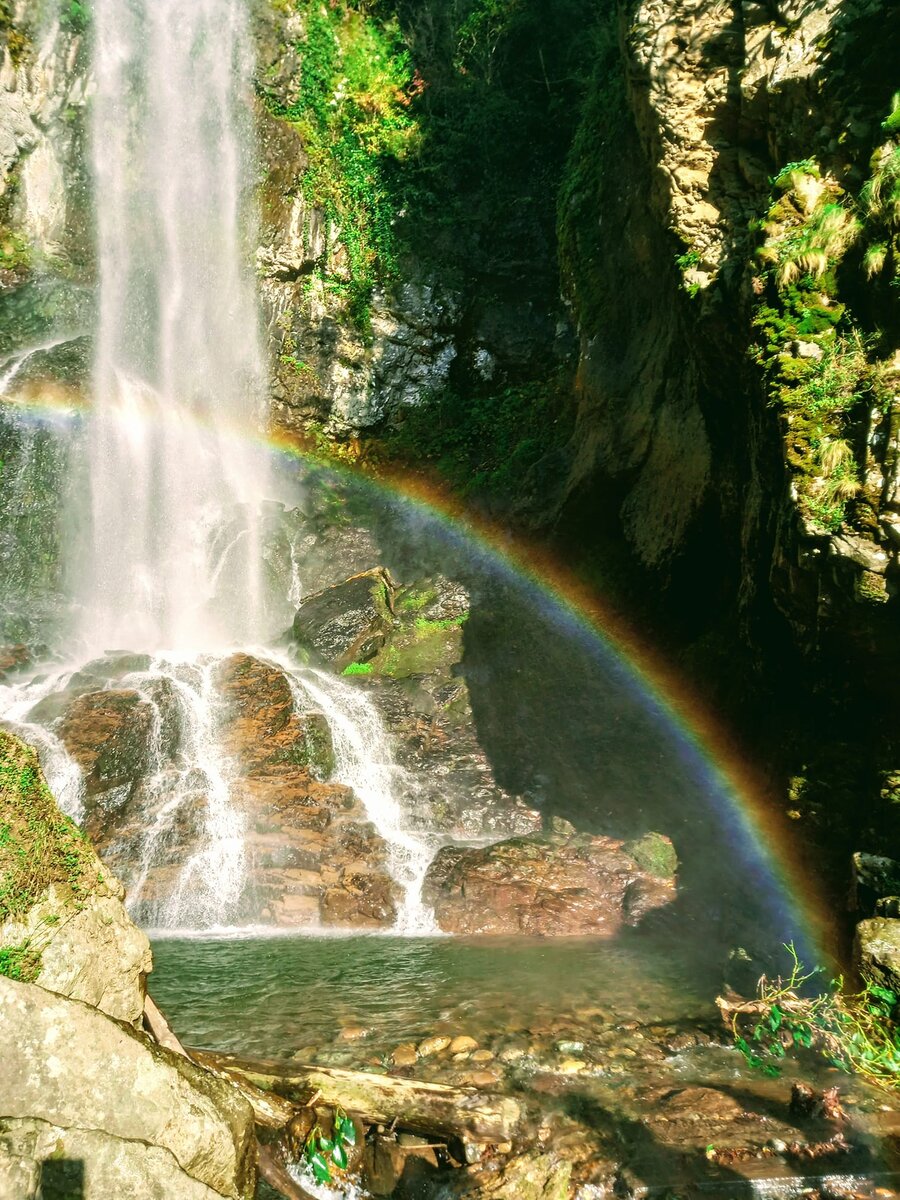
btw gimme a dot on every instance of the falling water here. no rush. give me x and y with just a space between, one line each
171 563
178 371
365 763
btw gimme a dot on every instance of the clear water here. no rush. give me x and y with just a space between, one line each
273 996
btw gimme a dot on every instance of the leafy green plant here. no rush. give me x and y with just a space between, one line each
323 1154
690 258
855 1032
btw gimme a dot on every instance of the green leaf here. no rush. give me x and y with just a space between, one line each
319 1167
348 1131
340 1156
775 1018
325 1144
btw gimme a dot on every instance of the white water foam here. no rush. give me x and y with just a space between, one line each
178 378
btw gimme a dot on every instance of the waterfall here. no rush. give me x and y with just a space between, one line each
178 374
169 565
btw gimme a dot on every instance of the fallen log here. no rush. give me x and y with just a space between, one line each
427 1108
268 1109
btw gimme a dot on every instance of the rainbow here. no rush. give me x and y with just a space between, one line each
758 834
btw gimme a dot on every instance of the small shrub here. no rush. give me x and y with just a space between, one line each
855 1032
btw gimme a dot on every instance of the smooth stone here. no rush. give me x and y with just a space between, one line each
572 1066
483 1079
483 1056
353 1033
462 1044
433 1045
405 1055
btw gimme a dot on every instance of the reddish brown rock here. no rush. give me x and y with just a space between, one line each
108 734
542 886
257 722
12 659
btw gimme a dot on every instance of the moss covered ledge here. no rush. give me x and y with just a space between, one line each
62 918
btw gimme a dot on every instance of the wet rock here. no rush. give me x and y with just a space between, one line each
353 1033
542 886
423 699
396 1168
876 951
12 659
534 1176
405 1055
433 1045
873 878
258 723
654 854
108 733
349 622
463 1044
143 1120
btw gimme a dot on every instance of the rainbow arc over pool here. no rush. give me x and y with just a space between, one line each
759 837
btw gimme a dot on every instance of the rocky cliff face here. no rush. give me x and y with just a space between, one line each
726 406
44 89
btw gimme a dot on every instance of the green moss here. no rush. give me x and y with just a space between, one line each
358 668
415 601
423 625
495 445
352 113
655 854
39 846
21 962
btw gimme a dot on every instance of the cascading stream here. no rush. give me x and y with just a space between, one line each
365 763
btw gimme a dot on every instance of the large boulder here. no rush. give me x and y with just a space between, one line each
545 886
417 683
347 623
874 879
78 1087
62 918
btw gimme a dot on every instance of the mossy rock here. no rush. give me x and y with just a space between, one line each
347 623
655 854
423 649
39 846
313 749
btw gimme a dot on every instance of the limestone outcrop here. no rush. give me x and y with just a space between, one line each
80 1088
88 1102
